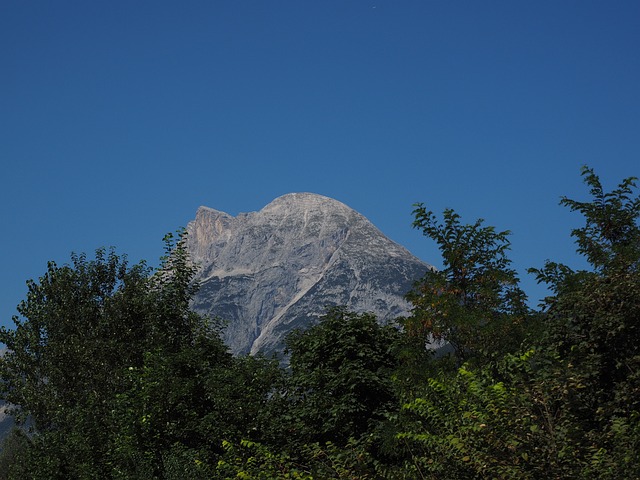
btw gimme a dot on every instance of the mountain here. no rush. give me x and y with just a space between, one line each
277 269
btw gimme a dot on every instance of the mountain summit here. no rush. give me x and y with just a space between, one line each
277 269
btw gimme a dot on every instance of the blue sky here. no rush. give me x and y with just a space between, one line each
118 119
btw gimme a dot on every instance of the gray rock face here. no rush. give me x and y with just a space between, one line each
275 270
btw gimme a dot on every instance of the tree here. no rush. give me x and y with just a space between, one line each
475 299
591 325
85 329
340 377
505 420
610 239
80 325
192 403
13 445
566 406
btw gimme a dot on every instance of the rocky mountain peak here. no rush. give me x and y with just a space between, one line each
306 203
269 271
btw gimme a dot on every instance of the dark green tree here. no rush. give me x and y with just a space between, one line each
591 325
89 334
474 303
610 238
81 325
14 444
567 406
191 402
340 381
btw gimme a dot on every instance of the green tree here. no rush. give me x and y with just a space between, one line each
85 331
505 420
568 406
340 377
191 402
79 327
610 238
591 325
13 445
474 303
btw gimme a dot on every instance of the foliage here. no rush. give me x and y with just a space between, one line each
168 404
197 400
107 361
13 446
120 379
592 321
474 425
592 327
475 298
340 377
610 239
568 406
251 460
80 327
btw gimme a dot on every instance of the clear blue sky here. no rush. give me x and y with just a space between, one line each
118 119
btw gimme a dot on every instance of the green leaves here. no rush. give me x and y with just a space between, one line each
340 372
123 381
476 297
610 237
469 252
107 360
592 321
563 402
74 326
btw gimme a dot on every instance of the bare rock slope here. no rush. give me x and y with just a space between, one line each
275 270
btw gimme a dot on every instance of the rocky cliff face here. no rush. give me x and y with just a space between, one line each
271 271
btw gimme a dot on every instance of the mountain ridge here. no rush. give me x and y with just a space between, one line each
276 269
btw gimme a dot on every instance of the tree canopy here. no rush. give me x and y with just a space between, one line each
110 375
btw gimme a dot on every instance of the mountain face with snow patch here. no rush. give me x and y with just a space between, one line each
266 273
